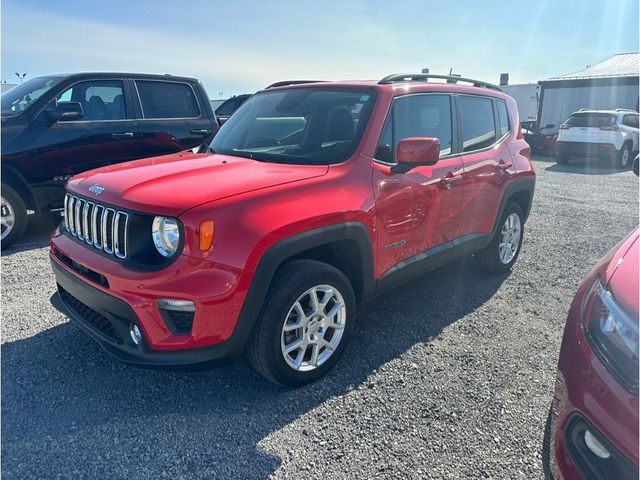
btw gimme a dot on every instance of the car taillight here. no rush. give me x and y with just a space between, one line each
612 334
565 126
611 128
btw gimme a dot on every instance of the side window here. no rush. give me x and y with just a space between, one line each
630 121
423 116
228 107
162 99
478 127
503 117
100 99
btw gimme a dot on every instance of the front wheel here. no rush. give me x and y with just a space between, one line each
500 255
14 216
309 314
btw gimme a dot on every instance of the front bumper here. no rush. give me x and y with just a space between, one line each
108 321
588 397
586 149
106 300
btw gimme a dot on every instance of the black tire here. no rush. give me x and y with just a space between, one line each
625 158
490 256
547 440
562 159
20 213
290 282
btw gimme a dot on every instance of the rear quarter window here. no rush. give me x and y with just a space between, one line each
161 99
503 117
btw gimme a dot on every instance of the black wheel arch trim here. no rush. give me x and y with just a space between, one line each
286 249
524 185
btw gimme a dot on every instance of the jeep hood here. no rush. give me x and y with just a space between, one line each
172 184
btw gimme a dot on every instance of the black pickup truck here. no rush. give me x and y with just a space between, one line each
56 126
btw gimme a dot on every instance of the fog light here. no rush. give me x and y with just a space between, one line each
136 334
595 446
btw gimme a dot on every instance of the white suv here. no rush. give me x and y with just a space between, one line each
599 133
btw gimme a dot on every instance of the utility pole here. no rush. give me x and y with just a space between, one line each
20 76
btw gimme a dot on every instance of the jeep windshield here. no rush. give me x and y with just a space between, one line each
298 125
19 98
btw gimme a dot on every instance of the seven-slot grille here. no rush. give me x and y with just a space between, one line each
97 225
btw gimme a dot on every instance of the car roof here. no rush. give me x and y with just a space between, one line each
396 88
609 112
153 76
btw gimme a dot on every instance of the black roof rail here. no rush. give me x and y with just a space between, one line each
424 77
284 83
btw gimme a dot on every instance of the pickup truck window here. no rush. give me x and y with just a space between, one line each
100 99
297 125
162 99
20 97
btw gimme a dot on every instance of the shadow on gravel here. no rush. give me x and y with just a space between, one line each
36 234
585 167
70 410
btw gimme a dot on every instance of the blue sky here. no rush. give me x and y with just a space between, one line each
241 46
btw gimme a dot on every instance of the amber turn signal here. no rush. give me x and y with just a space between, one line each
206 234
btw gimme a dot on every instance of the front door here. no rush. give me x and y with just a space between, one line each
106 134
418 210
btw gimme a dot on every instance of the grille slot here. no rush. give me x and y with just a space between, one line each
97 225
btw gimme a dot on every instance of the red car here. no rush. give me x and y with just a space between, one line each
593 423
313 197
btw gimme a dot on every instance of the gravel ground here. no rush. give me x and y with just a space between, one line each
449 376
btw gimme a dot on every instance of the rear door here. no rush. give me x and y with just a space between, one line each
171 116
105 134
484 129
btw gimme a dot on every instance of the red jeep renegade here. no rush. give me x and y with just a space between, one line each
313 197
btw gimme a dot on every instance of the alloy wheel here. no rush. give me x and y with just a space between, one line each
313 328
8 218
510 238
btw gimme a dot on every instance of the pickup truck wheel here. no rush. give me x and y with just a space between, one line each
624 157
307 320
500 255
13 216
562 159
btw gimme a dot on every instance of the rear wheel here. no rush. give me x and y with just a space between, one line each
624 157
500 255
14 216
309 314
562 159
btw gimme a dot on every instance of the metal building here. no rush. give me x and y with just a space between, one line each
612 83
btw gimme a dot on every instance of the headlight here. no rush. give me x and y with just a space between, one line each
166 235
612 334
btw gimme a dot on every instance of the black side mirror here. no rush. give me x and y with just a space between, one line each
549 125
65 112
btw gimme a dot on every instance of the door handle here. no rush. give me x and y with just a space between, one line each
200 132
502 165
449 180
121 135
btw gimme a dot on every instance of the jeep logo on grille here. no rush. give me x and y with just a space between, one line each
97 189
